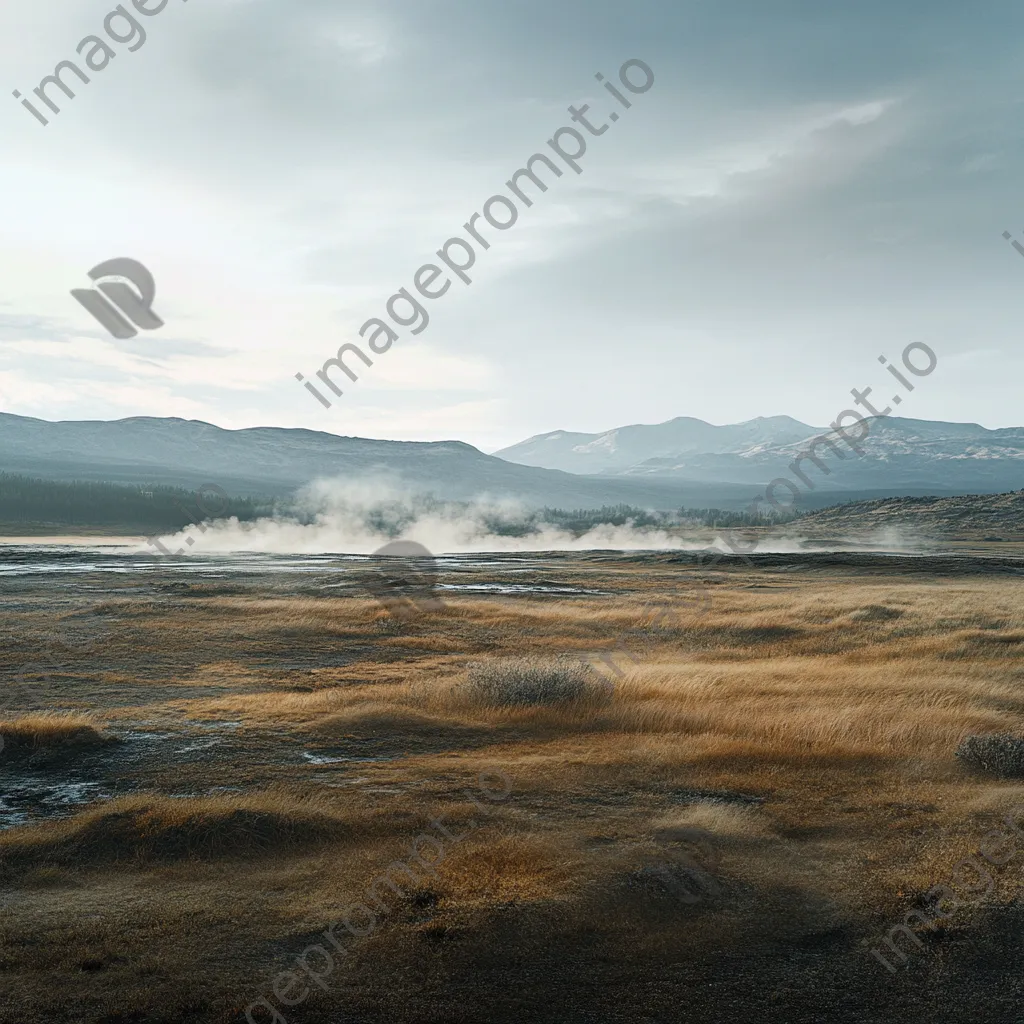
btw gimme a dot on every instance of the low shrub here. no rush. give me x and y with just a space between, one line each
876 613
522 682
1000 754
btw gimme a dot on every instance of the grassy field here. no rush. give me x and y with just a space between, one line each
308 809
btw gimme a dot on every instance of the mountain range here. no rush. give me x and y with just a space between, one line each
626 449
682 462
277 461
897 453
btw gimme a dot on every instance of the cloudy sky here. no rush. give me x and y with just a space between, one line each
805 187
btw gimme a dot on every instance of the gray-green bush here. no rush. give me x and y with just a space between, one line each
523 682
1000 754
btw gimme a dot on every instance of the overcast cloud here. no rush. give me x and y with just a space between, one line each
806 186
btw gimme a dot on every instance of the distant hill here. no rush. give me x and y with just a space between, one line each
899 455
274 461
981 516
624 448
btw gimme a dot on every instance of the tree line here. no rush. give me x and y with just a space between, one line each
28 501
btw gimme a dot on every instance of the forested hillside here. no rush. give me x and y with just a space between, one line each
26 503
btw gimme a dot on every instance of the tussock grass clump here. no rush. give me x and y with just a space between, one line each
721 821
1000 754
144 828
876 613
49 732
524 682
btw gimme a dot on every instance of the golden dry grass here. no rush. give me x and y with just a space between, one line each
805 727
49 731
156 828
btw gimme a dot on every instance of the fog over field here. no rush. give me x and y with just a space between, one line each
360 517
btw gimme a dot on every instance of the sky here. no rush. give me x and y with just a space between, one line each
804 188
